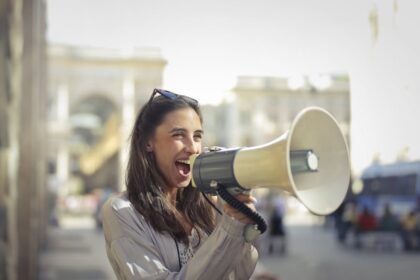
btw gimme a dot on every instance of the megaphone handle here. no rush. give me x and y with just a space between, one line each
240 206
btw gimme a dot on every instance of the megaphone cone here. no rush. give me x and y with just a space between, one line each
310 162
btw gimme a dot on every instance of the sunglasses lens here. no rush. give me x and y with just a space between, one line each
172 96
168 94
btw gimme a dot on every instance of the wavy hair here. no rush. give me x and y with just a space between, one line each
146 184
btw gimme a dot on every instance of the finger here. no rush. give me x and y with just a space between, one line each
240 217
246 198
227 207
245 220
233 212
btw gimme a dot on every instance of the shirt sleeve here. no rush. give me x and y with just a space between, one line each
133 254
225 254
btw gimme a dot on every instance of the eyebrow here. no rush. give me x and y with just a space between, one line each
178 129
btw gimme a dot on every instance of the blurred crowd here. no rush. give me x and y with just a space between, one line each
359 220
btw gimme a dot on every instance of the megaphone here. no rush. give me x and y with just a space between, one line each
310 162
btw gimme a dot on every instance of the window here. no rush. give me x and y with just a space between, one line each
391 185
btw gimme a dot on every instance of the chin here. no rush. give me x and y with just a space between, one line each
184 184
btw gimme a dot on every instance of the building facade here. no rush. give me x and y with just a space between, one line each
260 109
94 95
22 136
265 107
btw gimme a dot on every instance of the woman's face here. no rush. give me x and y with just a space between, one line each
174 141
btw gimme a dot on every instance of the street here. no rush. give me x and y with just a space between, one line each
77 251
314 255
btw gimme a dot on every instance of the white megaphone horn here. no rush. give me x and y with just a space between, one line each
310 161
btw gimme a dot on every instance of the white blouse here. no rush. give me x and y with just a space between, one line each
187 252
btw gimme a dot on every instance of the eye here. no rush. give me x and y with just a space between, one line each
178 135
198 137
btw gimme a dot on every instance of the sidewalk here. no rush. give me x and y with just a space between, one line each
76 250
314 254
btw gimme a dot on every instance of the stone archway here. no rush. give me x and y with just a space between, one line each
94 143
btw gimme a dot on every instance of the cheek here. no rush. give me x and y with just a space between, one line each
167 152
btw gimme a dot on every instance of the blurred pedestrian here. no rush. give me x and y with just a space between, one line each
102 196
408 230
366 222
276 227
388 221
348 221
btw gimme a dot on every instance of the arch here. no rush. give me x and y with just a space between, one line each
89 116
96 103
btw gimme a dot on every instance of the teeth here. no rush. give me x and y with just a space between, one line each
185 161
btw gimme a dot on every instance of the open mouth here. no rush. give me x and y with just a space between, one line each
183 166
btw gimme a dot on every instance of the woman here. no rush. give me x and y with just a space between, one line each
162 227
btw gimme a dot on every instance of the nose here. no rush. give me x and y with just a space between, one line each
191 146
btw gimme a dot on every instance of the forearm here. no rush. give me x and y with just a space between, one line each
222 253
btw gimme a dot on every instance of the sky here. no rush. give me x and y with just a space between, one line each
208 44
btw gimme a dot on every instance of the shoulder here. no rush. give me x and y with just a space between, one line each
117 204
119 213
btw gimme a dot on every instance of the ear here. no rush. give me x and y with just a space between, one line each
149 147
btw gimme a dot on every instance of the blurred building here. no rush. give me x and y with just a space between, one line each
261 109
218 124
93 97
22 136
265 107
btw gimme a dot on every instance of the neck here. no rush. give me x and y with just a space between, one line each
184 221
172 196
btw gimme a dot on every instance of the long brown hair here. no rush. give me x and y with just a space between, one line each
145 183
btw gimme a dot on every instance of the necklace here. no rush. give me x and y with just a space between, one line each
177 251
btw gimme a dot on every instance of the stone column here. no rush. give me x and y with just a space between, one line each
127 121
63 156
26 161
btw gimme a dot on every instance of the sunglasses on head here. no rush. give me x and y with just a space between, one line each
171 95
